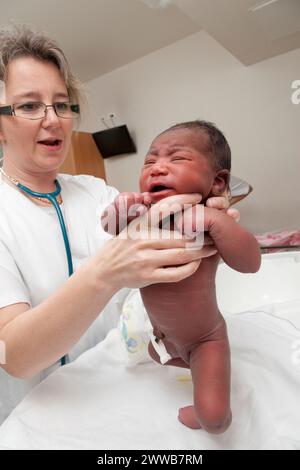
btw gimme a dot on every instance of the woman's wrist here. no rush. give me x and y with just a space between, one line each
97 279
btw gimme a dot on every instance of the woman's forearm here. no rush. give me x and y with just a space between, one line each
38 337
42 335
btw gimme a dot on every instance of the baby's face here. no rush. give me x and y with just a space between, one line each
175 164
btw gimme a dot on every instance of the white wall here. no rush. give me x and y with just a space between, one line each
198 78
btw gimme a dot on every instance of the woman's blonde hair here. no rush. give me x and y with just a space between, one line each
21 41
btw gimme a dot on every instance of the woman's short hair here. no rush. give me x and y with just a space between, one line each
21 41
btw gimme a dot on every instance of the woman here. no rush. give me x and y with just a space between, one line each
43 311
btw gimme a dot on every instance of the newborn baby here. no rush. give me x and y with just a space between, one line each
189 330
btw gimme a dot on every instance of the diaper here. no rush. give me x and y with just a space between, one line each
133 329
136 331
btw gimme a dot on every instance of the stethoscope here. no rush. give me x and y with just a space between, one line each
52 198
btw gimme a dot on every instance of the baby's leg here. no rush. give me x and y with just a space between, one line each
210 368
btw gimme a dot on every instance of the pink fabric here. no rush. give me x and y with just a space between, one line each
282 238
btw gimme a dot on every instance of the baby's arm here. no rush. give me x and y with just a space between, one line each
238 247
125 208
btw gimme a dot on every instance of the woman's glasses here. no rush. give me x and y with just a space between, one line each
37 110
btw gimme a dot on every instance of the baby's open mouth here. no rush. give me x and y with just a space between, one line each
158 188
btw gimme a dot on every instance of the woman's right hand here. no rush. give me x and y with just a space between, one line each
144 254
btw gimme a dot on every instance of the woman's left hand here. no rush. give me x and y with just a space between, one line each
189 218
222 203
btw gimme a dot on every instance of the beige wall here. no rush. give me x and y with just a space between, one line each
198 78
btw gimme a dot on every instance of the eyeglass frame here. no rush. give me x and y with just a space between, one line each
9 110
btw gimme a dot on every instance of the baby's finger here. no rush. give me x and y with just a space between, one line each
137 198
141 209
147 198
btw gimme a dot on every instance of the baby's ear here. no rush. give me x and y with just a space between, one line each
221 183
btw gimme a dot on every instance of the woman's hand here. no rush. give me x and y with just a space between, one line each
190 222
223 203
144 254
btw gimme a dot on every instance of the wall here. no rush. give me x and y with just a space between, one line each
198 78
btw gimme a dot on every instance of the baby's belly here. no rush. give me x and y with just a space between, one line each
183 312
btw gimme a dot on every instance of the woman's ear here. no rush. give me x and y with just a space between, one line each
221 183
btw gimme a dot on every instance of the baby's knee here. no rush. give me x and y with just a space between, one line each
215 422
218 426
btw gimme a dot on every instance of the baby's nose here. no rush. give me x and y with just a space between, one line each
159 168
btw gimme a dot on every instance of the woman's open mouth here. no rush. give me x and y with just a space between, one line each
53 145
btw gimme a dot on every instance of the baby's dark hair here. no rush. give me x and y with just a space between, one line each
217 146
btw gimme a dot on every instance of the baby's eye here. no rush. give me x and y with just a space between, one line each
178 158
149 162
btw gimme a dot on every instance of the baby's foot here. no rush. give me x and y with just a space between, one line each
187 416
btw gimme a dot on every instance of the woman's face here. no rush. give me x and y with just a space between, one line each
26 143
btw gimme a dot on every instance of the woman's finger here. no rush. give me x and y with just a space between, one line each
219 202
167 206
176 273
234 213
179 256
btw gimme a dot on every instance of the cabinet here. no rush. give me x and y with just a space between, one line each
83 157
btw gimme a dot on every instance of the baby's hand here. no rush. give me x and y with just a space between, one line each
131 205
126 207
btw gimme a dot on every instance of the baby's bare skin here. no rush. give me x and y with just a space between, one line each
185 315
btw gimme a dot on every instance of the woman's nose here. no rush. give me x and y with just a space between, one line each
51 118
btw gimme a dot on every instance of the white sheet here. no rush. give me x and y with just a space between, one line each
99 403
277 281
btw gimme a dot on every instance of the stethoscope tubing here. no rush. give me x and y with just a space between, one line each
52 198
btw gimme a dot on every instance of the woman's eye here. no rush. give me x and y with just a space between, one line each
29 106
62 106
